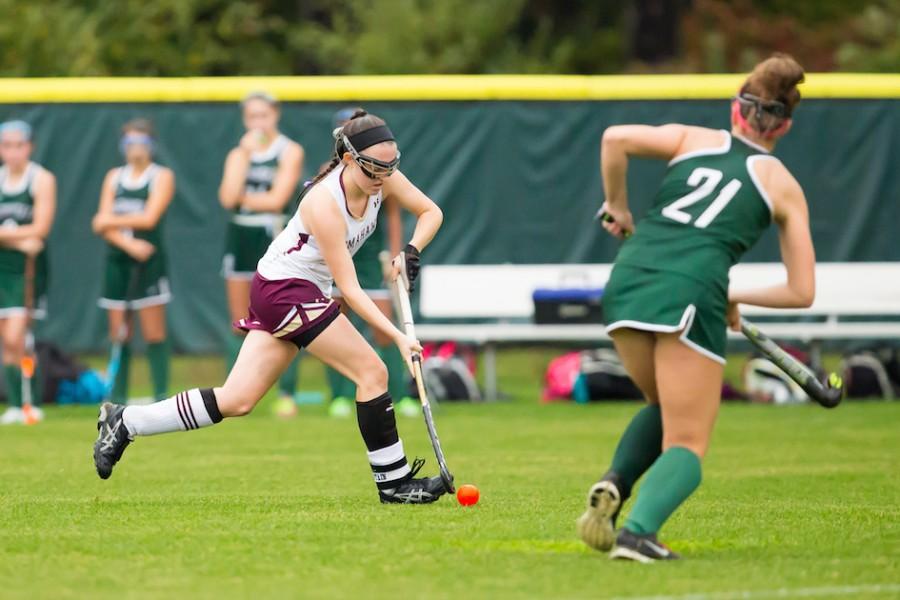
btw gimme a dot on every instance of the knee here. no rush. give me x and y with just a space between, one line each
12 351
373 375
233 404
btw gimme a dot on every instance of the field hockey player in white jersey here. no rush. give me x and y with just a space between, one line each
291 308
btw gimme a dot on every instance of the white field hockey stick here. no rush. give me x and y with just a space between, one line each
402 297
29 360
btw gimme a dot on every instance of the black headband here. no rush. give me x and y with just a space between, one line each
364 139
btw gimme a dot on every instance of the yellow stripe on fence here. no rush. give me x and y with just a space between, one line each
426 87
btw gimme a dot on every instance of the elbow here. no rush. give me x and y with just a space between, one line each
804 296
612 136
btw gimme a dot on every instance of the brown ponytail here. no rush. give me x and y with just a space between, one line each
776 78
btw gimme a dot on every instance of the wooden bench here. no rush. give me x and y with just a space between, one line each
853 301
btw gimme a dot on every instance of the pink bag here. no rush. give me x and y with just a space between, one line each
560 377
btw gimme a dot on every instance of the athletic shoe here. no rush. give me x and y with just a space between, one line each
641 548
597 525
341 407
424 490
112 438
409 407
11 416
32 415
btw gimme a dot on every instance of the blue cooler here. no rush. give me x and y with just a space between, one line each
567 305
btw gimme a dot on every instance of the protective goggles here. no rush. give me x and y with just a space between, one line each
371 167
133 139
768 114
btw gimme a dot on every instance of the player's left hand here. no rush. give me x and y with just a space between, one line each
30 246
733 316
406 265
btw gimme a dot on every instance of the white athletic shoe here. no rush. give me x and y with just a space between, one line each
11 416
597 526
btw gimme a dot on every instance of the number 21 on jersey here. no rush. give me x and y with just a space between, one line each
705 181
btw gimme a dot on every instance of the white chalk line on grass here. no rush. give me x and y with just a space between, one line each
805 592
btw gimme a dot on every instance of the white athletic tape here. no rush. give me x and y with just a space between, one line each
808 592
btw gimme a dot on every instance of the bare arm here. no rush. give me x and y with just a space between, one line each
394 221
326 224
797 252
429 216
156 205
42 213
283 187
234 178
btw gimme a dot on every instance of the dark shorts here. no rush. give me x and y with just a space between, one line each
293 310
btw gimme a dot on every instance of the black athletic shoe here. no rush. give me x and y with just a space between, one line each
424 490
112 438
597 525
641 548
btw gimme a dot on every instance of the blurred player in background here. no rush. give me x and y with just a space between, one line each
133 201
668 303
259 180
27 208
291 308
372 278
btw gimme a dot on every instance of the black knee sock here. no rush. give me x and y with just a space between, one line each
379 431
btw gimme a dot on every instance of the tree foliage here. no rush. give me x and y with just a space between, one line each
254 37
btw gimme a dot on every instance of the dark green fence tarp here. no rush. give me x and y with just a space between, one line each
518 182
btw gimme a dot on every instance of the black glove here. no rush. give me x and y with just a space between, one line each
410 265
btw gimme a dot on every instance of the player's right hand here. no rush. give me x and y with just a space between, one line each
30 246
733 316
140 250
251 141
407 348
622 224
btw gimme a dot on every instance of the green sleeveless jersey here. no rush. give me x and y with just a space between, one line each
131 198
708 211
16 208
261 174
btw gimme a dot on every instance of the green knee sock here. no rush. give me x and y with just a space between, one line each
119 393
158 357
340 385
232 349
12 375
638 447
287 383
672 478
397 371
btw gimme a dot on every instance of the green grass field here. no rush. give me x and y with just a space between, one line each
796 499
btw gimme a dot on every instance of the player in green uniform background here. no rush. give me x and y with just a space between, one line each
370 272
133 201
668 302
259 180
27 208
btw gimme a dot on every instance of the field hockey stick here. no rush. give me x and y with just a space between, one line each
115 353
409 327
29 361
828 393
604 216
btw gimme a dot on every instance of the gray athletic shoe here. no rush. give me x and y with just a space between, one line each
597 525
410 490
112 438
641 548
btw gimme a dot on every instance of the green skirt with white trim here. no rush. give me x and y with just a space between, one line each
662 301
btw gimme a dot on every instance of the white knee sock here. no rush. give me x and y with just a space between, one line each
184 411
